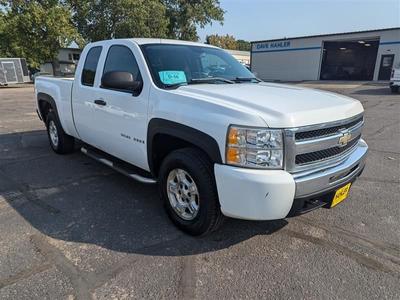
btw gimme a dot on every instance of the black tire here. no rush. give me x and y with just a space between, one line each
394 89
209 217
65 143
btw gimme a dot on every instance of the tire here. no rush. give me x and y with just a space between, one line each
60 142
197 168
394 89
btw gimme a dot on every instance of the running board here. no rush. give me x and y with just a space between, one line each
121 168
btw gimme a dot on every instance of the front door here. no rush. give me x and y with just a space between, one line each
124 113
386 66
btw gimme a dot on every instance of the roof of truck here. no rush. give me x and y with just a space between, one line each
144 41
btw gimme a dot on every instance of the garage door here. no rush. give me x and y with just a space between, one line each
349 60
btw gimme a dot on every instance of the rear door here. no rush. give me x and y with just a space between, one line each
124 114
10 73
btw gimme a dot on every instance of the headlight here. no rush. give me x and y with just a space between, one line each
254 147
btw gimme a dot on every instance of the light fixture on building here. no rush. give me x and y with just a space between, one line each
361 42
367 45
342 48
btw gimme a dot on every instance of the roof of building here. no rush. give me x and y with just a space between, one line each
238 52
329 34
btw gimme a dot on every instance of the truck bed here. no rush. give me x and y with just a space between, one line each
60 89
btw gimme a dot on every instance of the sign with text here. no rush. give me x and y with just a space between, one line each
271 45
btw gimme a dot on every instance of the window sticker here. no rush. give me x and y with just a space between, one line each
172 77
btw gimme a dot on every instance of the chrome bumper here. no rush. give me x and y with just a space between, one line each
316 182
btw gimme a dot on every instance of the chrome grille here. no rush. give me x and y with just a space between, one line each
314 146
326 131
312 157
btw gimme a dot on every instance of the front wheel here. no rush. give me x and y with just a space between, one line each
188 190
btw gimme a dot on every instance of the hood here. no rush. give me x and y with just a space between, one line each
280 106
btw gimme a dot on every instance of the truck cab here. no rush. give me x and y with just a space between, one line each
218 141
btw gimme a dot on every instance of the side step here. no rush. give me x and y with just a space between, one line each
117 165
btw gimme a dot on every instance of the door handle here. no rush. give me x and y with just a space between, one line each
100 102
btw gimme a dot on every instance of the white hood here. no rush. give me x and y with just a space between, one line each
280 106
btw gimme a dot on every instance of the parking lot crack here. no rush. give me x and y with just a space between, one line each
23 275
54 256
360 258
188 278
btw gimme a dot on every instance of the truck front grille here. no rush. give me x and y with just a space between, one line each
316 156
304 135
321 145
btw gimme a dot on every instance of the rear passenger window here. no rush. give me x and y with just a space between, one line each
121 59
89 69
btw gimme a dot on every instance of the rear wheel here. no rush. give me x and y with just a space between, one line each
60 142
188 190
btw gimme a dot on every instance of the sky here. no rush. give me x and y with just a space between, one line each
254 20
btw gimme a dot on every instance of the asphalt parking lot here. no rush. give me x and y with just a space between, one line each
70 228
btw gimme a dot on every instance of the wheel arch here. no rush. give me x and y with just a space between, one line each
45 102
164 136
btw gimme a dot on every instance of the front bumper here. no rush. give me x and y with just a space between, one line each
394 83
274 194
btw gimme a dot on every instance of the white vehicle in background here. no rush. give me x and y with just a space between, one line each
395 79
217 140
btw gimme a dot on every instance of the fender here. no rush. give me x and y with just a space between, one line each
193 136
50 100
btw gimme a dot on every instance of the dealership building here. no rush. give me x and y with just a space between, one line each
362 55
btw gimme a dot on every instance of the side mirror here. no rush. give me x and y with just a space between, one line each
120 81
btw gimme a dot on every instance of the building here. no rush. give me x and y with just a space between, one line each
242 56
65 63
362 55
13 70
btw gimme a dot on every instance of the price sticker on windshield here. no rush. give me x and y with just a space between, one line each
172 77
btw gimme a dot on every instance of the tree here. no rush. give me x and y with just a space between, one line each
228 42
186 15
222 41
35 30
102 19
243 45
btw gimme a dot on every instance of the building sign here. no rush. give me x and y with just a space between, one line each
272 45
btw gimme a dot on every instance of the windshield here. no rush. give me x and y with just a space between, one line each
176 65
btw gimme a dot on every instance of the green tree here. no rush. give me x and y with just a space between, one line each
228 42
186 15
102 19
222 41
35 30
243 45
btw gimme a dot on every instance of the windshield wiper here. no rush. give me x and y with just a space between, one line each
199 81
210 80
247 79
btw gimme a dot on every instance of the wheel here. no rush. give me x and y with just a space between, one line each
394 88
60 142
188 190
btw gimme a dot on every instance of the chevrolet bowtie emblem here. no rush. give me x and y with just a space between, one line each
345 138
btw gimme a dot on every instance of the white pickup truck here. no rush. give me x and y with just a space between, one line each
395 79
218 141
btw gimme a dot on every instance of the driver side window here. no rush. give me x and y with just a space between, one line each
120 58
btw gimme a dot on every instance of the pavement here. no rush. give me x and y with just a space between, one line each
73 229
